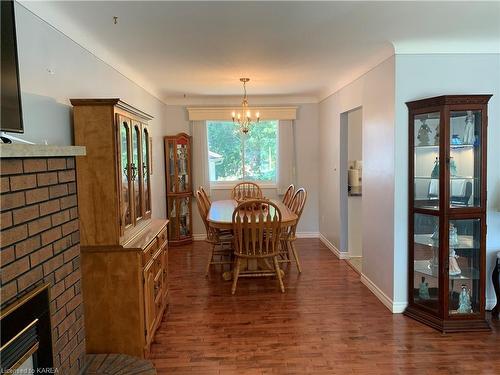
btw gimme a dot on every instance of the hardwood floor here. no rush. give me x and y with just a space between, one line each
327 322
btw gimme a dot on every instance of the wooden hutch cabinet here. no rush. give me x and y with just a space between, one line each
179 188
447 212
124 251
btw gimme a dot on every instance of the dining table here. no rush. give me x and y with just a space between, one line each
220 216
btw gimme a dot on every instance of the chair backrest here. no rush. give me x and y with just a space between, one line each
203 209
297 206
256 229
287 198
245 190
205 196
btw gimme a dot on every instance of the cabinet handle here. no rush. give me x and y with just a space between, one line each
134 171
125 171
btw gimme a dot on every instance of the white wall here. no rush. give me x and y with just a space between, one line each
355 134
307 150
421 76
374 92
47 112
354 204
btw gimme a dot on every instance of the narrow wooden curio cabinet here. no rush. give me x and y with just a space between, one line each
179 188
447 212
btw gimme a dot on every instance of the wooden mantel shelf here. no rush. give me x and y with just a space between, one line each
33 151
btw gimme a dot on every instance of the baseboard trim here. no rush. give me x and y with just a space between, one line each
399 307
339 254
199 237
307 234
394 307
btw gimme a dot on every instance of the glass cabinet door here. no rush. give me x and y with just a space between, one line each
179 213
172 216
184 217
183 164
146 179
171 167
136 171
426 261
426 160
464 266
125 172
465 158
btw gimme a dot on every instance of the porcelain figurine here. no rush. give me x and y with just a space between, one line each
423 290
435 170
434 262
464 303
469 129
453 236
453 167
455 140
453 263
436 136
423 134
435 234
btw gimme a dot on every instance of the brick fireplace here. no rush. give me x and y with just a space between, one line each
40 244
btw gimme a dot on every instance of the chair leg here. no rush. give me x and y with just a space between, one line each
278 274
235 275
210 260
294 252
284 251
288 256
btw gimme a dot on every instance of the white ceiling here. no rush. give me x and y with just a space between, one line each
286 48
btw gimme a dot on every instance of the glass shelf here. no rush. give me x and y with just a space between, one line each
451 178
453 147
464 241
425 267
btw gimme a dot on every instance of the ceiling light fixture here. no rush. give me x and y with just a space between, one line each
244 118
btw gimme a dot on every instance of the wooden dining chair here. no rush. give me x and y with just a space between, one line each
205 196
287 198
256 230
246 190
289 235
220 241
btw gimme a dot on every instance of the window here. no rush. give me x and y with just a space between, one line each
233 156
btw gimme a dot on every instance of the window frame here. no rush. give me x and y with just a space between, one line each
265 184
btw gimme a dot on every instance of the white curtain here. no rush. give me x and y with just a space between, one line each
287 156
200 156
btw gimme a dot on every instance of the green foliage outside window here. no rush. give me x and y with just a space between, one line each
234 156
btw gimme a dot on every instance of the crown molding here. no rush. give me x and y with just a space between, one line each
235 100
224 113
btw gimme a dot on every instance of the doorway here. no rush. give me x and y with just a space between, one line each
352 185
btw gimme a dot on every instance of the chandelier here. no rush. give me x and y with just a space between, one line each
244 118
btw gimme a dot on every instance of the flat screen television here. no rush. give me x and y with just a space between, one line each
11 119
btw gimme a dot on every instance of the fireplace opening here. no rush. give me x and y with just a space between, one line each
26 337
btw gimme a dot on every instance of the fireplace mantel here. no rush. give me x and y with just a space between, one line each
34 151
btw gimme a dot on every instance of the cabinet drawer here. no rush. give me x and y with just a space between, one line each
162 237
149 251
